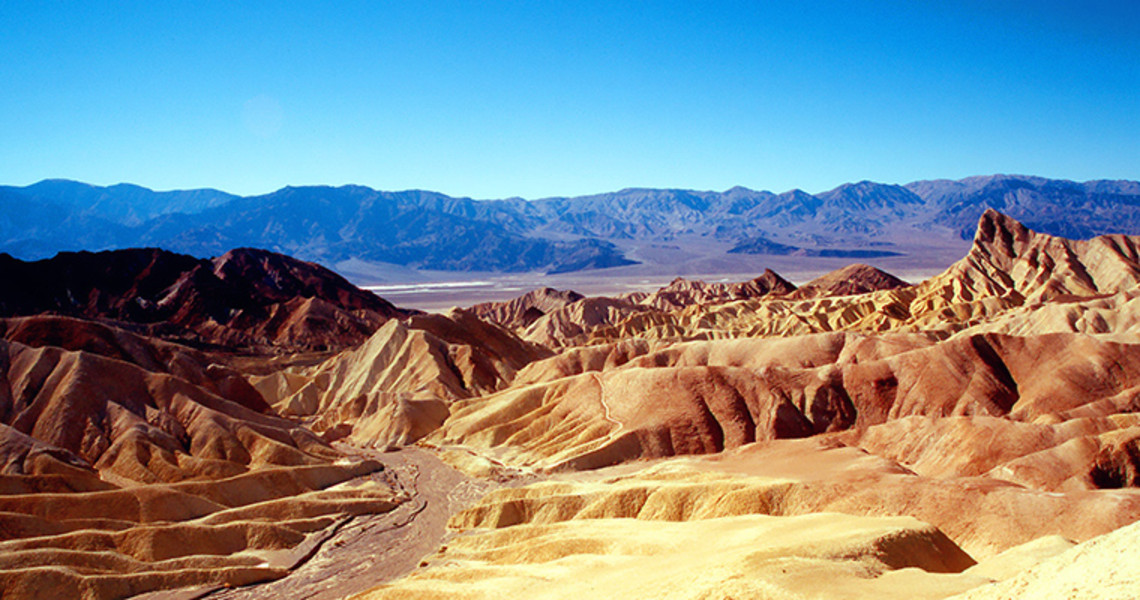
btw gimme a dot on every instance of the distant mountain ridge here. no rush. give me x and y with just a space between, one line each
429 230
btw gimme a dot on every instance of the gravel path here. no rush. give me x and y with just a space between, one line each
367 551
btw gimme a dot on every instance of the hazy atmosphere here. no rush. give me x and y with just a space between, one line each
500 99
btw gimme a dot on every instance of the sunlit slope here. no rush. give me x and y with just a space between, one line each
397 386
131 465
701 397
785 519
1008 267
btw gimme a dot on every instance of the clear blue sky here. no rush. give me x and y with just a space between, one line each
532 99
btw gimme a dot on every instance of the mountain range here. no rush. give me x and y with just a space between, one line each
432 231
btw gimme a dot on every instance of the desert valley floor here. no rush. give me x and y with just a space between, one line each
253 426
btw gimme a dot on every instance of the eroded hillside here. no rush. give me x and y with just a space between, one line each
976 434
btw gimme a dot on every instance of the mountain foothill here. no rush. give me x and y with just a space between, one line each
254 425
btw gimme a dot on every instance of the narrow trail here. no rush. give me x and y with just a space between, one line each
369 550
605 406
595 443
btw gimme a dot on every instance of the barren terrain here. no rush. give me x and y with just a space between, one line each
971 434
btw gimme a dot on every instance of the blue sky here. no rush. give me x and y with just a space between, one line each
534 99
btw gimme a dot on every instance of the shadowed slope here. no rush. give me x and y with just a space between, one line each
245 298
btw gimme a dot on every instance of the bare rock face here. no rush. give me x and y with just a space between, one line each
1014 265
1090 570
246 298
984 516
659 526
558 319
166 415
704 397
575 321
153 355
640 559
996 402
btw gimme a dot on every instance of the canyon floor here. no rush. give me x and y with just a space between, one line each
253 426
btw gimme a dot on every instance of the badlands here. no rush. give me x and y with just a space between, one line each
253 426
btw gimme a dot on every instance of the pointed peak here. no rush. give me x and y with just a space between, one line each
857 278
775 283
869 275
771 276
993 226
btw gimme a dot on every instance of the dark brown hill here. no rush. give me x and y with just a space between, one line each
682 292
244 299
852 279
